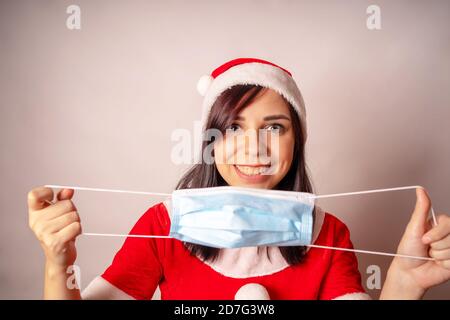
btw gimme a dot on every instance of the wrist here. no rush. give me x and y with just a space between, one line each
399 285
54 270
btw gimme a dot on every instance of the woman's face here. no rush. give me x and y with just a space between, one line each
258 147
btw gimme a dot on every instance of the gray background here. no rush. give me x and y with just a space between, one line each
96 107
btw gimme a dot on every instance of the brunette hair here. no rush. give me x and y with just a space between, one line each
204 175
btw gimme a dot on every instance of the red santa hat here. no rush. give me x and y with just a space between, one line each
250 71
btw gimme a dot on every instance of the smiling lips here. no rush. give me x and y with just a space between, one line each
252 173
253 170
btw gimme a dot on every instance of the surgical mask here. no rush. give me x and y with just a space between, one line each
232 217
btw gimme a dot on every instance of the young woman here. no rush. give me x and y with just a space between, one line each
240 96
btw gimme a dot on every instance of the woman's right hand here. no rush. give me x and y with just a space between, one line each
56 226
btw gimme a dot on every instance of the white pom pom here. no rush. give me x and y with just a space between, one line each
252 291
203 84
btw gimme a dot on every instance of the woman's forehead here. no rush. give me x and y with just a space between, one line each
268 103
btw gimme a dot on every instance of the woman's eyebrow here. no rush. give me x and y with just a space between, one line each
277 117
267 118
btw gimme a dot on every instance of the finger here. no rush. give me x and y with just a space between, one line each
440 231
419 217
440 254
61 222
441 244
56 210
444 264
36 197
70 232
65 194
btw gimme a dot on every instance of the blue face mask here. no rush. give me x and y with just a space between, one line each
233 217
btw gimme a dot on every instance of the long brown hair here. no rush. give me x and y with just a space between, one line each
203 175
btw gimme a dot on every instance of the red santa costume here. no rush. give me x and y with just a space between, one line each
143 264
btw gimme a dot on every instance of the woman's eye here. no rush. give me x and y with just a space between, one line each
274 127
234 127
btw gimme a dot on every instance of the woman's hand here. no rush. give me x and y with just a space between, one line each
55 226
410 278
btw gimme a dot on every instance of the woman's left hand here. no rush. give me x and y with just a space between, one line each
409 278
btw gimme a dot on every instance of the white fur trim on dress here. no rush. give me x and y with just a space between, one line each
354 296
100 289
257 74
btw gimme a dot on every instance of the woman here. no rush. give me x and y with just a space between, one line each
241 96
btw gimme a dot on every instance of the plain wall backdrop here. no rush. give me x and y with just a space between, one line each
96 107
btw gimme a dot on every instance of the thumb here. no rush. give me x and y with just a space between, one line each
419 217
65 194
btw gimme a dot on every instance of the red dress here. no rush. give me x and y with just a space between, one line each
143 264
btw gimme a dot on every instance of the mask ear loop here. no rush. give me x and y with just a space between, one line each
368 251
117 191
109 190
433 215
310 245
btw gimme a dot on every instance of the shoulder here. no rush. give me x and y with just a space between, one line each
155 219
137 267
328 229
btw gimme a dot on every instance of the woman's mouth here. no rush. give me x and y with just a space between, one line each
252 170
252 173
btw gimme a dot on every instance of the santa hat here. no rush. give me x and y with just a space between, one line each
250 71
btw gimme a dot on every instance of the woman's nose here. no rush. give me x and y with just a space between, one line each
254 145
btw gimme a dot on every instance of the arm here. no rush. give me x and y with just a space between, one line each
55 284
100 289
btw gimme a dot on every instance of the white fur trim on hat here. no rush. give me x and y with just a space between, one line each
204 83
257 74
